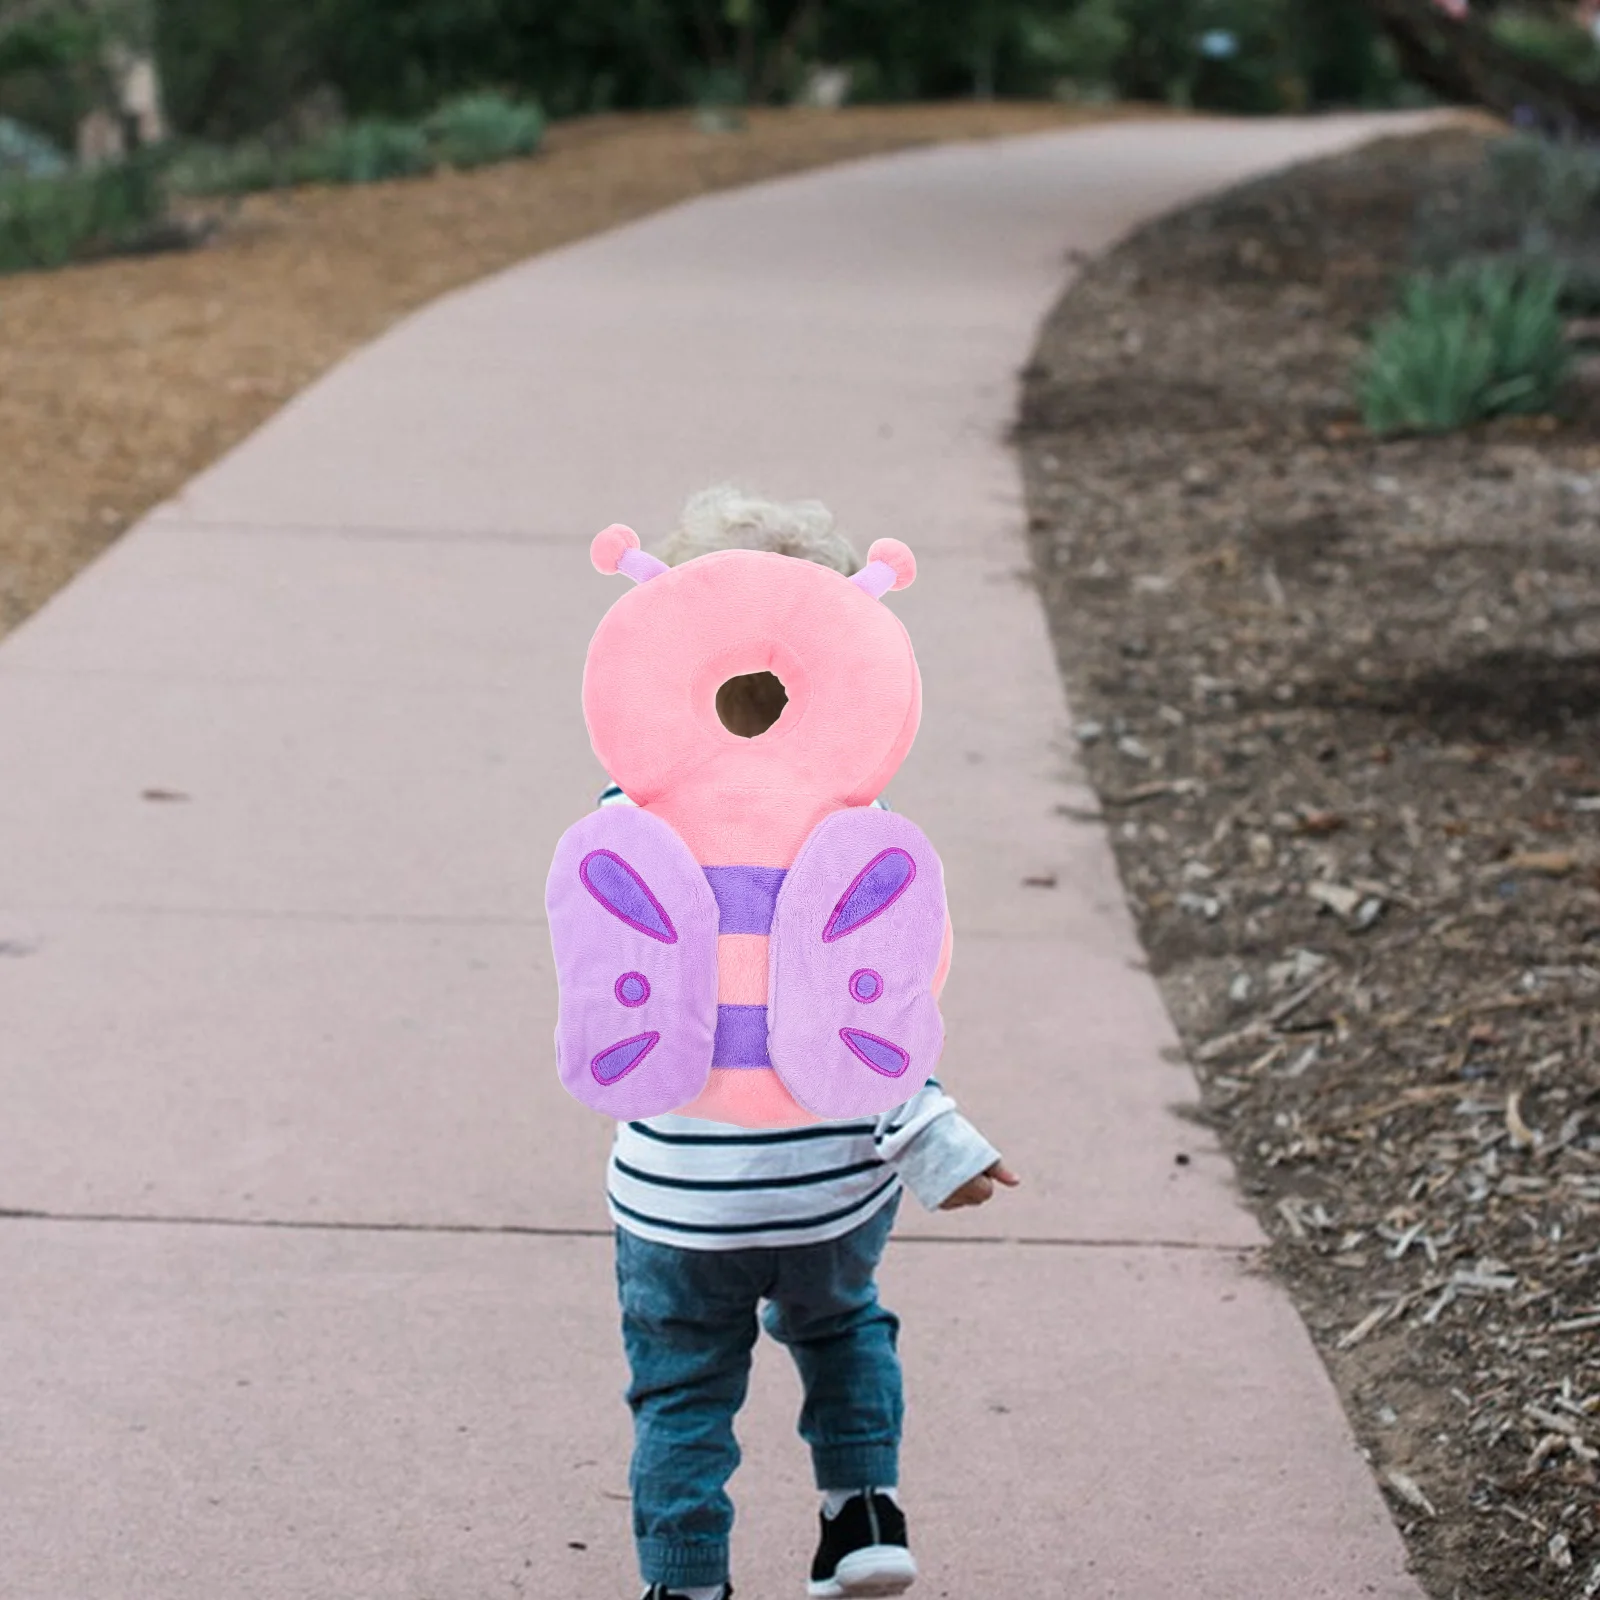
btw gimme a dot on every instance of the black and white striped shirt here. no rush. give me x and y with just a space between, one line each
713 1186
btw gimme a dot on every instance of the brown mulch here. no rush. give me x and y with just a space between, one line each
120 380
1341 702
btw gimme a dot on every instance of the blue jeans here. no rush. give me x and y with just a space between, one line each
689 1324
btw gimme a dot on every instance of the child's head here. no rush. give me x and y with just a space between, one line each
726 518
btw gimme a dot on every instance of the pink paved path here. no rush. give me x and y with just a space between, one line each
361 1340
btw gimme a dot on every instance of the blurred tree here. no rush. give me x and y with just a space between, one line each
1461 54
1342 53
83 70
235 67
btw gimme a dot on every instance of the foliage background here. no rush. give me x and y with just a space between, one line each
237 67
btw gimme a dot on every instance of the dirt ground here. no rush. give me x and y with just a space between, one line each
119 380
1341 702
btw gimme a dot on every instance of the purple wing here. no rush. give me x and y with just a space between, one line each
633 923
852 1025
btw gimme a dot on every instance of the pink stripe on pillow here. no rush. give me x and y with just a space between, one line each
742 969
749 1098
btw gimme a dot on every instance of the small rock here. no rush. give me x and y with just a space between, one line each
1338 898
1207 906
1300 968
1367 913
1409 1491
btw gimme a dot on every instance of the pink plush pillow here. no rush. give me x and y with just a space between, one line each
756 943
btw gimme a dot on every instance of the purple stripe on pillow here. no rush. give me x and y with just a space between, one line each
746 896
741 1037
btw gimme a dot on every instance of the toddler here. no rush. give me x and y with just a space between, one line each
712 1220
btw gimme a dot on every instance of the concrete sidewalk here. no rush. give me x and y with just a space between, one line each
316 1298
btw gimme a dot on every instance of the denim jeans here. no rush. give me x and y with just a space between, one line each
689 1324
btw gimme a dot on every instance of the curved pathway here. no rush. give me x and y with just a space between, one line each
308 1289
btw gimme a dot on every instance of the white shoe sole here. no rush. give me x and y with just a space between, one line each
880 1569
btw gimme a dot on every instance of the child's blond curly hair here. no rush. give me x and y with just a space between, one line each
725 517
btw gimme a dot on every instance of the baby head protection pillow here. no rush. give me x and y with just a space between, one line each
752 941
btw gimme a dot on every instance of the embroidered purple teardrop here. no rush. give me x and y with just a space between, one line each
623 1057
879 1054
877 886
623 893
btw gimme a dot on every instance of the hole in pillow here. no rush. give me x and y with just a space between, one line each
749 704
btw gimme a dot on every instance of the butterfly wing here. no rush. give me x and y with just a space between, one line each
633 924
853 1027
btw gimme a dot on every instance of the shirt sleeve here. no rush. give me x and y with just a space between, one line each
932 1147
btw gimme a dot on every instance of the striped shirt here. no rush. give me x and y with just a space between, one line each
713 1186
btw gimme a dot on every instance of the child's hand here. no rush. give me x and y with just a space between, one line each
976 1190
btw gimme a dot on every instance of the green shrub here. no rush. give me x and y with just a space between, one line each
47 222
233 68
1551 39
1257 74
1532 202
1343 56
1485 340
367 151
465 132
474 129
228 169
1549 185
24 152
1081 47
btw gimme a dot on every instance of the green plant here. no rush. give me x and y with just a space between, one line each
1551 39
227 169
474 129
236 68
362 152
1533 201
1342 55
1484 340
58 59
27 153
1081 47
47 222
465 132
1551 184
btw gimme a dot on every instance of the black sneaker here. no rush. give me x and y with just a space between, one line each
659 1591
863 1550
